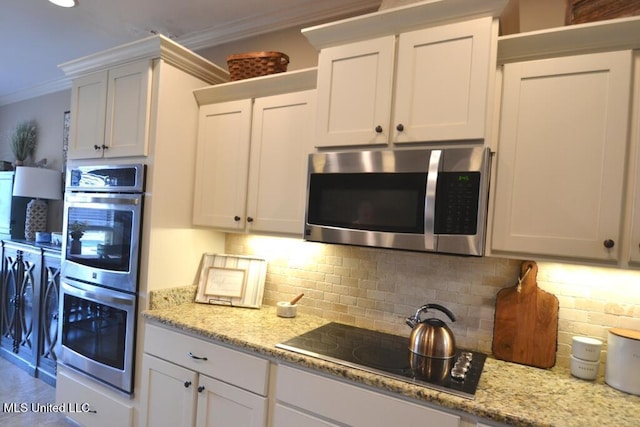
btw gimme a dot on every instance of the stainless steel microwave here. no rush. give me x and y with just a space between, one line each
432 200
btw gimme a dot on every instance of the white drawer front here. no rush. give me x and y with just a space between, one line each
234 367
352 405
89 406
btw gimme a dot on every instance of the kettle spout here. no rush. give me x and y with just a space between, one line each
412 322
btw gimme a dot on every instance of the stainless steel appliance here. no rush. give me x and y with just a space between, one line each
101 255
98 332
432 200
389 355
104 204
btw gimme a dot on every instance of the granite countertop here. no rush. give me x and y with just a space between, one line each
508 393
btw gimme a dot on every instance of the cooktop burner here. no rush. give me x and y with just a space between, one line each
389 355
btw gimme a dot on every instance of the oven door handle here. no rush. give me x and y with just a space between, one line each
78 198
104 296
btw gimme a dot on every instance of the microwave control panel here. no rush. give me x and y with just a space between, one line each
457 203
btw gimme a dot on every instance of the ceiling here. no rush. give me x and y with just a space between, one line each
37 36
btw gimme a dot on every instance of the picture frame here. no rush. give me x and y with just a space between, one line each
233 280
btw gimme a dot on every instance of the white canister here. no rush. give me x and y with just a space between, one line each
623 360
586 348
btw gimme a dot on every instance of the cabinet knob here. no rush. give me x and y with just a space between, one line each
187 384
249 219
609 243
378 129
105 147
236 218
200 389
96 147
400 127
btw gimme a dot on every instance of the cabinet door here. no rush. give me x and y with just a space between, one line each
49 305
222 164
89 108
168 393
127 110
561 156
223 405
441 82
354 93
281 140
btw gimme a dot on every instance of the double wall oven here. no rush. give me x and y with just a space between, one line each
99 284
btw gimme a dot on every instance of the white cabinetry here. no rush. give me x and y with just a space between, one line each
186 379
91 405
306 399
441 85
111 112
252 154
634 186
563 173
119 97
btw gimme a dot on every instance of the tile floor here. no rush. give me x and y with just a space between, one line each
16 386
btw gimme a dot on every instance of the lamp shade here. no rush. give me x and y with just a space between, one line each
37 183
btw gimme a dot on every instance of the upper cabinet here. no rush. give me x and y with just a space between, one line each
440 87
569 122
115 94
111 112
253 142
413 74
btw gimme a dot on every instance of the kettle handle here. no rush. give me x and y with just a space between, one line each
438 307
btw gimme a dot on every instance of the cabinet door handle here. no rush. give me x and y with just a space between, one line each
193 356
249 219
96 147
400 127
105 147
236 218
609 243
187 384
378 129
200 389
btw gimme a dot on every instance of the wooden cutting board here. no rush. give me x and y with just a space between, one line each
526 322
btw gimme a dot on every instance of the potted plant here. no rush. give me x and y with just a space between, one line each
76 230
23 141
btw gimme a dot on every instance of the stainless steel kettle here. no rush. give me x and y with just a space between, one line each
432 337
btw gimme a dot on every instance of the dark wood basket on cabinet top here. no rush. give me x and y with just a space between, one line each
255 64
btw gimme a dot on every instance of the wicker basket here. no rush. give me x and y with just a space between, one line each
254 64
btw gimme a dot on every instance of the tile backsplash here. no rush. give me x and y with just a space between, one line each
378 288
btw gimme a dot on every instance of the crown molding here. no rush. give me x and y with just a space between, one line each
276 21
230 32
36 91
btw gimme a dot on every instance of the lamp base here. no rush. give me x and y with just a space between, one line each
36 218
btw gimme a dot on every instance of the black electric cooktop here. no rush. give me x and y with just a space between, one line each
389 355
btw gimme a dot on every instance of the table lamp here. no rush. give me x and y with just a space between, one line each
40 184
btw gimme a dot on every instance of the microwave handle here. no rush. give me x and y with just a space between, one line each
430 200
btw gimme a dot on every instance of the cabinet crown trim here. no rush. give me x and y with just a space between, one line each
405 18
614 34
153 47
257 87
